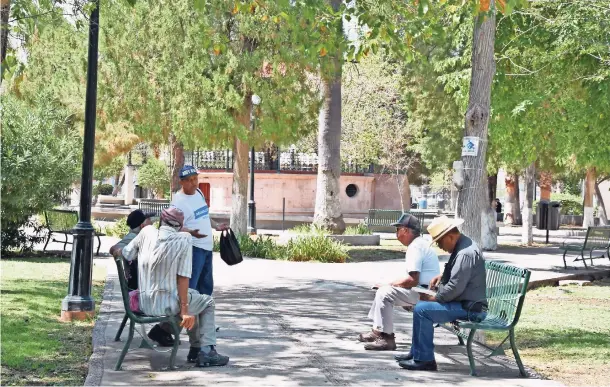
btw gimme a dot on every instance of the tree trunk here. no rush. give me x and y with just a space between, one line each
603 217
546 181
512 211
5 9
527 236
472 200
588 219
492 186
177 162
239 199
328 206
404 191
120 179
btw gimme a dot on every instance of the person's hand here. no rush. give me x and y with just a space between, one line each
375 287
196 234
426 297
434 282
222 227
188 321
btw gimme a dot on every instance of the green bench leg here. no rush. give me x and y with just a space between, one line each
469 350
172 358
513 345
120 331
126 347
460 340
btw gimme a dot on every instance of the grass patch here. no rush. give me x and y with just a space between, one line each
564 333
38 349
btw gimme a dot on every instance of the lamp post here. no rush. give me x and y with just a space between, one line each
256 100
79 304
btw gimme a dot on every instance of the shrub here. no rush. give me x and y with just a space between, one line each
103 189
570 204
360 229
308 229
261 247
119 229
154 175
40 161
315 248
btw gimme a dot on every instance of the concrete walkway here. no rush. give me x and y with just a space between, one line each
291 323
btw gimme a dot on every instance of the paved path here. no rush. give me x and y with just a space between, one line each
292 323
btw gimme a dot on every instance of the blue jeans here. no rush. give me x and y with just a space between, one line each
202 278
425 315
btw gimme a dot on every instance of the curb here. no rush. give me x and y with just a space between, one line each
96 361
587 275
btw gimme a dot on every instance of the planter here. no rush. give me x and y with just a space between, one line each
357 240
108 199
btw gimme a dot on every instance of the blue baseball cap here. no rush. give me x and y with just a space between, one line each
186 171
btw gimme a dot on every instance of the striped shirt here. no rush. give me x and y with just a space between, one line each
162 254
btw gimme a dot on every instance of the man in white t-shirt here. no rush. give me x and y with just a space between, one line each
192 203
422 266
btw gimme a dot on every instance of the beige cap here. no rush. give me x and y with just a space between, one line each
441 226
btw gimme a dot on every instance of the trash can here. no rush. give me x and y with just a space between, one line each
548 211
423 204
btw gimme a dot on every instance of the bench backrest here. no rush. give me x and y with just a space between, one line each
506 288
597 237
150 206
61 220
124 288
383 217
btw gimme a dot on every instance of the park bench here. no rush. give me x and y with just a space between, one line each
597 239
382 219
141 318
152 206
62 222
506 288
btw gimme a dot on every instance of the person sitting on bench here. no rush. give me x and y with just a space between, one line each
460 296
422 266
165 265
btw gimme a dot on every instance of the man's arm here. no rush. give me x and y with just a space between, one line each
460 276
121 249
411 281
218 226
188 320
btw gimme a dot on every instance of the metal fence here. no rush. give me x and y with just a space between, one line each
269 160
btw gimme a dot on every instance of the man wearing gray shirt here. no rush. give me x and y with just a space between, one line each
460 295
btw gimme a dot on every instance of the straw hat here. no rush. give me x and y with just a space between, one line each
442 225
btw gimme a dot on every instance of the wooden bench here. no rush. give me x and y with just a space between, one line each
62 222
152 206
597 239
140 318
506 288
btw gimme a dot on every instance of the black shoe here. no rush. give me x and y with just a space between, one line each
211 359
403 357
193 354
160 336
414 365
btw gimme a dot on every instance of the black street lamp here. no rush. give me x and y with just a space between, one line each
256 100
79 304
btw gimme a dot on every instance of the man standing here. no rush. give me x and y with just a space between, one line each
460 296
136 221
165 262
422 267
192 203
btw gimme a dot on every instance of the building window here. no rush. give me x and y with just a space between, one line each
351 190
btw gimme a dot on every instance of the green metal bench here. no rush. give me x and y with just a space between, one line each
598 238
140 318
506 288
152 206
62 222
380 220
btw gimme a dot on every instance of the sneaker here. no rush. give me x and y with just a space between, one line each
385 342
211 359
160 336
369 337
193 354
